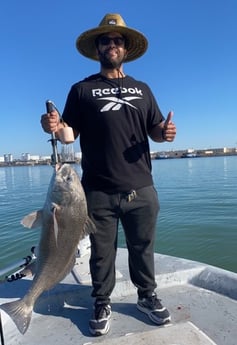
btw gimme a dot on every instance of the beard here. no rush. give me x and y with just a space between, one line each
108 62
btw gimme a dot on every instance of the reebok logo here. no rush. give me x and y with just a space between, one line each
114 103
116 91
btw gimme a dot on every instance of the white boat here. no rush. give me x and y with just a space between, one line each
202 300
162 156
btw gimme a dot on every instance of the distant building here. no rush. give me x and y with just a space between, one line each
8 158
67 153
78 155
45 158
227 150
34 158
25 157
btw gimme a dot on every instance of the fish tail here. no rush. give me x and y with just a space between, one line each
20 313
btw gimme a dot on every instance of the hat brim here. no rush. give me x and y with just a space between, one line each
137 42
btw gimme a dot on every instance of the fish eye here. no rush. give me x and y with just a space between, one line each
68 178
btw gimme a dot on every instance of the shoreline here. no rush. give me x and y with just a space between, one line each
154 155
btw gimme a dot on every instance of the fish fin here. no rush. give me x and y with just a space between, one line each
32 220
20 313
89 227
55 225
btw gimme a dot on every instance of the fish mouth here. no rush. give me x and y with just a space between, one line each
58 166
64 178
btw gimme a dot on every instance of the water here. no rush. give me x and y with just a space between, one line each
197 220
198 215
22 190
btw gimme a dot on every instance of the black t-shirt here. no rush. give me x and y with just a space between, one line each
113 117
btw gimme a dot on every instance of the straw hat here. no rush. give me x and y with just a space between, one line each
136 41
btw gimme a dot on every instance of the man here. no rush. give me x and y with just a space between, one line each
114 114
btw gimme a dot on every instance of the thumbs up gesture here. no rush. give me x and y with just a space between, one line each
169 128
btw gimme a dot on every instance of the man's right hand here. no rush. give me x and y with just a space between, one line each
50 122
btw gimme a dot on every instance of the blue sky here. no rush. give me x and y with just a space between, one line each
190 65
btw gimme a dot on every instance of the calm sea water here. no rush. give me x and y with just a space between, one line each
197 220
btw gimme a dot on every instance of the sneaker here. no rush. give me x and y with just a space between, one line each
100 322
154 309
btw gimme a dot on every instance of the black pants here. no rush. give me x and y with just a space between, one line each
138 217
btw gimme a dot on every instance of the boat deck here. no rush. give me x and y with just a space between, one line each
202 301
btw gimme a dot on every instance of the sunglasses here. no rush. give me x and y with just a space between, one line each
105 40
